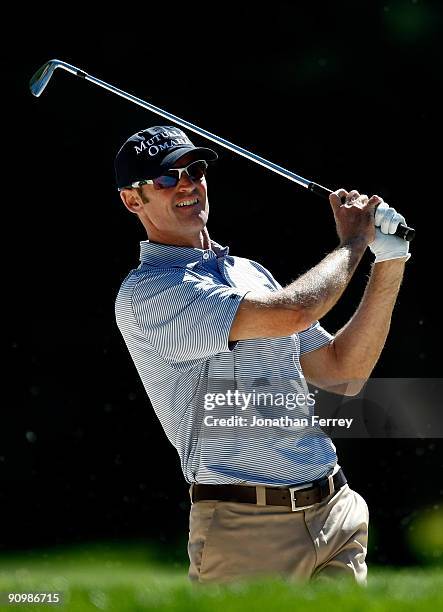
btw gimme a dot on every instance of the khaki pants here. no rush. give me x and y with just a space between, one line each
232 541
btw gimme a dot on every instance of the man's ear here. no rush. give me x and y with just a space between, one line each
131 200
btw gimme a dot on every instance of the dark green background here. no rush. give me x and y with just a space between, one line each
343 93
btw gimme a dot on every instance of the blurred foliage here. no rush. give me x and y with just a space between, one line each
411 21
425 535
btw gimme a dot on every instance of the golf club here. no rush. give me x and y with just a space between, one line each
43 75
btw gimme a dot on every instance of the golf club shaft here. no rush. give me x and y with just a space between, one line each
41 78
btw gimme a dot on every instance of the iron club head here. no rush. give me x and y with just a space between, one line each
42 77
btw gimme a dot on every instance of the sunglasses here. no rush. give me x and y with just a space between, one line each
195 171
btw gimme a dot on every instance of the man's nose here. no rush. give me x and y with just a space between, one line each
185 181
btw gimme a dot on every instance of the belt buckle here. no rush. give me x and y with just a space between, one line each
294 497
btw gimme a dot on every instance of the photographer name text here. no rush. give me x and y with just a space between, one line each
283 421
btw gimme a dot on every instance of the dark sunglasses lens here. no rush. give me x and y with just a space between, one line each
197 170
165 181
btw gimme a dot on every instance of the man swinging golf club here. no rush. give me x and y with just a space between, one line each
198 320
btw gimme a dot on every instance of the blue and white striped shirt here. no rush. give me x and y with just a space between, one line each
175 312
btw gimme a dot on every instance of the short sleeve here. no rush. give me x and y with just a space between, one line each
187 319
314 338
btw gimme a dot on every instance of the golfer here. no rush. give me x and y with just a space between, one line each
217 340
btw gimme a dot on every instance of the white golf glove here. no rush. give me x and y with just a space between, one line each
386 246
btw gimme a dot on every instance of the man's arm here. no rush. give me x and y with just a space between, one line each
346 363
311 296
296 306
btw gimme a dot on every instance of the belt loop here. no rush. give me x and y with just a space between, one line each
191 488
260 492
331 484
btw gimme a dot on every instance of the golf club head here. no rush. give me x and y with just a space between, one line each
42 77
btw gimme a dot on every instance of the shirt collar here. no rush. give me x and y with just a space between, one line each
166 255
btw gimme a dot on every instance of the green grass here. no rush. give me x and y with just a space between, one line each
127 579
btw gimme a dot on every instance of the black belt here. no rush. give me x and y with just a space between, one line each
294 497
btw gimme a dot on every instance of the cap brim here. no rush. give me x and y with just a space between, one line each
197 152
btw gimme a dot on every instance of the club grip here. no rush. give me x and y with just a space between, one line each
402 231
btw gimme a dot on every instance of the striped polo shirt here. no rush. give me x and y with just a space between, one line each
175 311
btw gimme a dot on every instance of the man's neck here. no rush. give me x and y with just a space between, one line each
206 241
201 241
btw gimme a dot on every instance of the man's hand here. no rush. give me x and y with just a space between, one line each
355 217
386 246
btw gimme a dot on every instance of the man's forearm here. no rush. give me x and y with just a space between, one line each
358 344
316 291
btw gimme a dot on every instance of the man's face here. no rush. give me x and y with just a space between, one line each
161 214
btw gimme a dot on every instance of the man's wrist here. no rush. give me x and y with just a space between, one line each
403 258
357 243
391 264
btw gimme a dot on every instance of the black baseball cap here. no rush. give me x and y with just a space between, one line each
150 152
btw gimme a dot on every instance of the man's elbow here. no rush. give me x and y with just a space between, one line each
351 377
354 387
348 388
